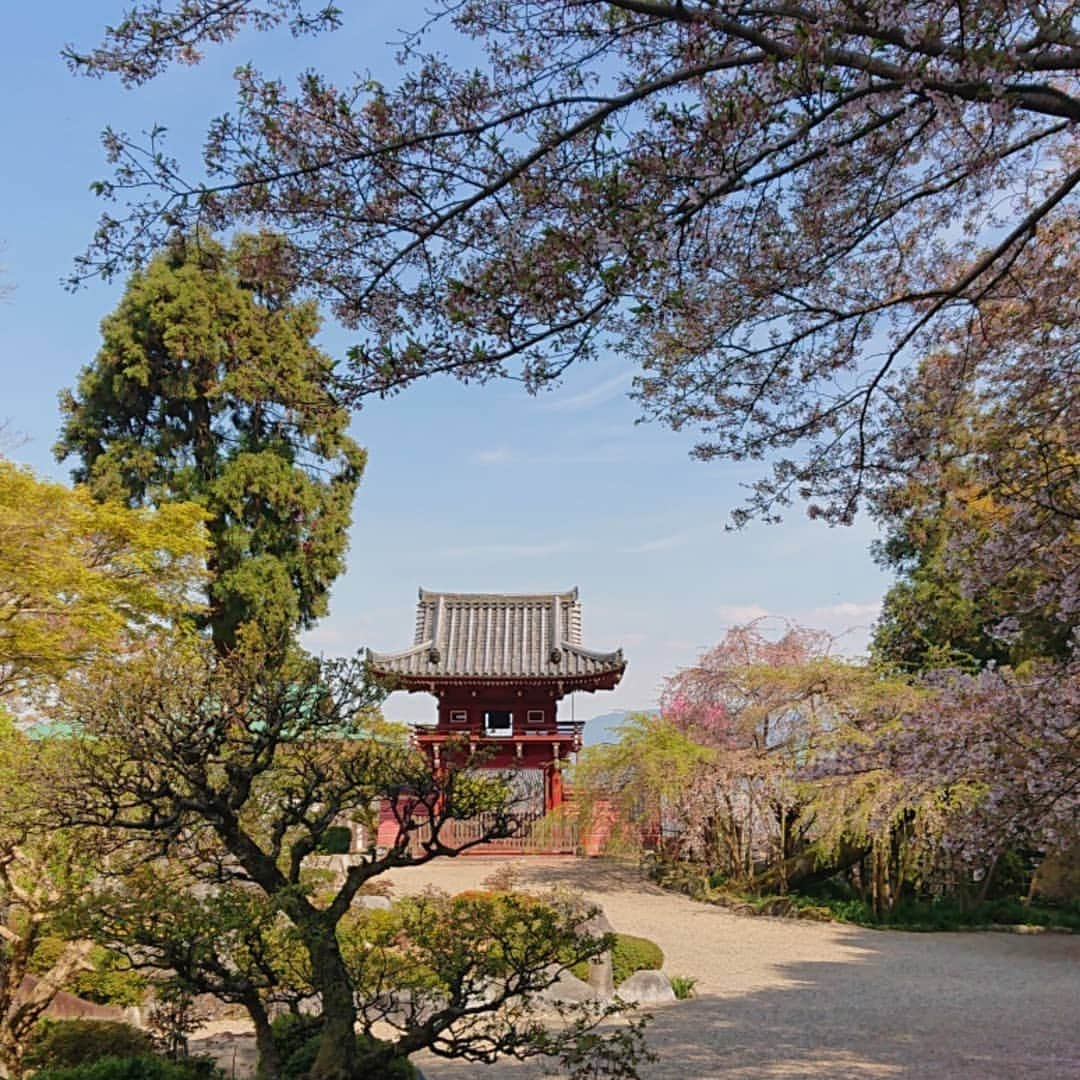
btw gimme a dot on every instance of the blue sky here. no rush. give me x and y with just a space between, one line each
467 488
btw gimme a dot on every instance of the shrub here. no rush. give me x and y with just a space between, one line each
62 1043
634 954
946 913
143 1067
682 986
684 877
337 840
503 879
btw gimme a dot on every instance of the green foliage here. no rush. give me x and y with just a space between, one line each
940 523
945 913
682 986
651 764
683 876
63 1043
208 389
292 1032
44 871
453 946
288 743
78 578
337 840
145 1067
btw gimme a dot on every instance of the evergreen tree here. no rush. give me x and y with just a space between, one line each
208 388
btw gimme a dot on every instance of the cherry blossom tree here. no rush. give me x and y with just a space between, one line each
778 711
986 763
767 211
728 774
776 765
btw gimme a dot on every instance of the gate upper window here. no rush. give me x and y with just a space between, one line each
499 722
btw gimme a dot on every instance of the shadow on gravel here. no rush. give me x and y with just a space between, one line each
951 1006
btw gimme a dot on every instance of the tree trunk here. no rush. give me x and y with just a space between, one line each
806 868
269 1067
10 1058
336 1059
984 885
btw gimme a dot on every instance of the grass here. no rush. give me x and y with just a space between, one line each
683 986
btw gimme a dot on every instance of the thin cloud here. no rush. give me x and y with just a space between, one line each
742 613
848 609
661 543
595 395
497 455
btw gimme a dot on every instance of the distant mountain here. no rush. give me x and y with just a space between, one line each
603 728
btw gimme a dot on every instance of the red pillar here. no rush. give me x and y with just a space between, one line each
556 787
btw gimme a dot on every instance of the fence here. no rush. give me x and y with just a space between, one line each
536 834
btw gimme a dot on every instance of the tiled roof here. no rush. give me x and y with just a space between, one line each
498 636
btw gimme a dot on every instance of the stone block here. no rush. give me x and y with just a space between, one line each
647 988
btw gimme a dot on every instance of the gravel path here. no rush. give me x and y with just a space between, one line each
779 999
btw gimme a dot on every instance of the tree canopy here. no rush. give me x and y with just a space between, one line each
79 579
982 525
768 211
208 388
775 766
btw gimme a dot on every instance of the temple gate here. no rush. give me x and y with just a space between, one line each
498 665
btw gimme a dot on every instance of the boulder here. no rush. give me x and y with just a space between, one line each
598 925
373 903
569 989
601 977
647 988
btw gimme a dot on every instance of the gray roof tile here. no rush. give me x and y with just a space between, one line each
498 636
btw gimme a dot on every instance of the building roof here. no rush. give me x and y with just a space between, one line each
498 636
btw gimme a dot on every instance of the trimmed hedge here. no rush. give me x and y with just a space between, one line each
634 954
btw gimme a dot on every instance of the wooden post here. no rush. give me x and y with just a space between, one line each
556 787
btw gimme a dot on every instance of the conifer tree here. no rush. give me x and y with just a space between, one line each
208 388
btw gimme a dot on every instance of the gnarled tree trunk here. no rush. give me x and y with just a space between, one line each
809 867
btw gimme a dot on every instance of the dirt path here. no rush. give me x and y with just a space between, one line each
788 999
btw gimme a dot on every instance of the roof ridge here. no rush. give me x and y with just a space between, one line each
428 595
